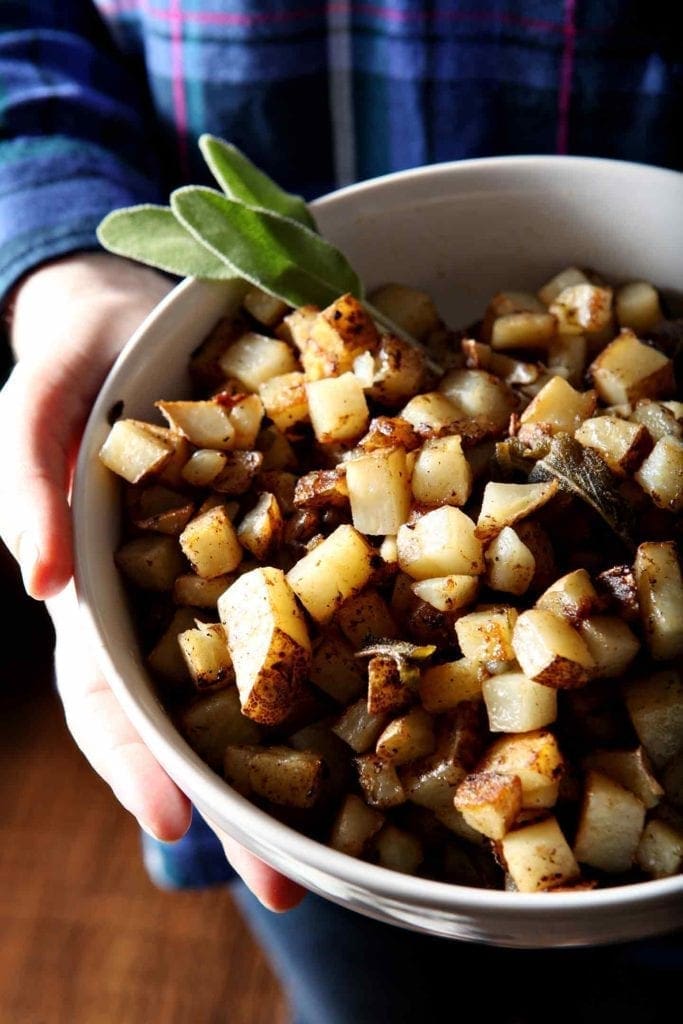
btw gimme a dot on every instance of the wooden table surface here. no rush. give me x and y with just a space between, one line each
84 936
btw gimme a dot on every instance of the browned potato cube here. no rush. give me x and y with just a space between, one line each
490 802
611 644
206 655
631 769
621 444
637 306
255 358
627 370
510 565
335 670
538 857
582 309
558 406
151 562
210 543
337 408
441 473
551 651
135 452
659 581
213 721
366 617
406 738
261 529
517 704
535 757
205 424
354 826
264 307
443 687
486 634
289 778
505 504
386 691
339 567
338 334
440 543
447 593
660 850
610 825
380 784
655 705
379 490
661 474
284 400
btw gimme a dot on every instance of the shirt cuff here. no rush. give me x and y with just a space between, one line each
54 191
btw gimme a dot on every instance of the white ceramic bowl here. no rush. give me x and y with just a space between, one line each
463 231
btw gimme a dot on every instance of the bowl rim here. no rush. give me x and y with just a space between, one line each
184 765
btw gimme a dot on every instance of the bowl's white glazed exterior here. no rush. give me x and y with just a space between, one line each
462 231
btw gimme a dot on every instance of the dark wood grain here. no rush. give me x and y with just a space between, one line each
84 936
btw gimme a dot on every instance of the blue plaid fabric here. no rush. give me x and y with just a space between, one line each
101 101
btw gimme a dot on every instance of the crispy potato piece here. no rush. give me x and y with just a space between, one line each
550 651
440 543
621 444
510 565
322 488
660 850
210 543
535 757
631 769
261 529
355 825
134 452
254 358
366 617
655 705
295 328
441 473
659 581
443 687
206 423
637 306
476 393
627 370
339 567
489 802
523 329
284 400
517 704
582 308
558 407
505 504
264 308
572 596
378 779
289 778
339 333
566 278
245 415
387 693
238 472
268 643
486 634
379 490
398 370
660 419
215 720
431 414
206 654
158 508
334 668
337 408
447 593
661 474
151 562
610 825
538 857
190 589
407 737
611 644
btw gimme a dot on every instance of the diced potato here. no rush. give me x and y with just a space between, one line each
268 642
135 452
322 488
398 850
246 414
358 727
206 424
660 850
538 857
566 278
410 308
550 651
213 721
386 691
165 659
255 358
339 567
611 644
441 474
339 333
440 543
566 357
621 444
210 543
206 655
397 372
510 565
661 474
447 593
535 757
366 617
407 737
204 369
637 306
659 418
354 826
190 589
337 408
203 467
296 327
490 802
631 769
655 705
610 825
505 504
523 330
573 596
284 400
151 562
237 475
158 508
558 406
476 393
378 779
582 308
486 634
507 302
431 413
379 490
261 529
289 778
627 370
264 307
335 670
515 703
443 687
659 581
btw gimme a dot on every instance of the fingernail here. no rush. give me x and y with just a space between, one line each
27 556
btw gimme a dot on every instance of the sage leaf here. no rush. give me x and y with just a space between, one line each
274 253
240 179
152 235
580 471
406 657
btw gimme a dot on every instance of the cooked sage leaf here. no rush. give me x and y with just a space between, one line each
240 179
406 656
152 235
280 256
580 471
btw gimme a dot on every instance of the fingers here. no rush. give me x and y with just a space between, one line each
106 737
275 891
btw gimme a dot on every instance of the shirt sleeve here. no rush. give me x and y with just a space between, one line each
74 133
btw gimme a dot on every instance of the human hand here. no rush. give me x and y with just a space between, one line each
70 320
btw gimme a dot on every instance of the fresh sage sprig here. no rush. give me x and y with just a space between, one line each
252 230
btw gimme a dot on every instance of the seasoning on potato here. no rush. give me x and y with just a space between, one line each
434 619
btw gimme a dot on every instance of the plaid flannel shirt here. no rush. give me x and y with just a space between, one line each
101 104
101 101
